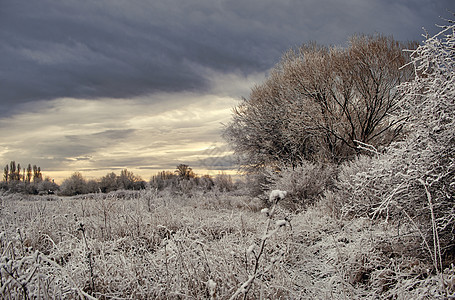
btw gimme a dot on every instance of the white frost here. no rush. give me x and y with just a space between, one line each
277 195
280 223
265 210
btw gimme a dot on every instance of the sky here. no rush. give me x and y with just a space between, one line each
100 86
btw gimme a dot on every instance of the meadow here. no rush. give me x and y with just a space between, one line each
215 245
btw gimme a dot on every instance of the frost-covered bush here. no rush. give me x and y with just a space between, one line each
357 199
74 185
414 181
224 182
304 183
47 186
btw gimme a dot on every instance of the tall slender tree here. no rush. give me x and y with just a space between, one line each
29 173
6 173
18 172
37 176
12 170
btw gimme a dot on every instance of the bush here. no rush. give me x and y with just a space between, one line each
224 182
47 186
305 183
75 185
356 198
412 184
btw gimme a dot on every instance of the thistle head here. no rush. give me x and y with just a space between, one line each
277 195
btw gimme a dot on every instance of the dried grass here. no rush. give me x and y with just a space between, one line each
200 249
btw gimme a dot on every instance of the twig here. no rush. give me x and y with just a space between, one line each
436 243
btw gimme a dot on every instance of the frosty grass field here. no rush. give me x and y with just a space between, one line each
145 245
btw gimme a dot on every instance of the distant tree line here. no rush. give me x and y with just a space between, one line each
13 172
76 184
182 181
26 180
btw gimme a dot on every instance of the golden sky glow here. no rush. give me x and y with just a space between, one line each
144 134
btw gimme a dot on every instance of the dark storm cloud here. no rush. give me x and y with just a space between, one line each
116 49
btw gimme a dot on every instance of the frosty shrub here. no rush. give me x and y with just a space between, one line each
413 182
224 182
357 200
253 185
74 185
305 183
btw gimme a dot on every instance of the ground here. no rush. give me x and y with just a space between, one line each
145 245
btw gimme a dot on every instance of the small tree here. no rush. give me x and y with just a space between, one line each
108 183
75 185
184 172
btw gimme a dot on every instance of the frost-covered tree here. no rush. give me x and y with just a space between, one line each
75 185
128 181
109 183
319 102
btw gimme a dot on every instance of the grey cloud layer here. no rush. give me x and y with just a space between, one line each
92 49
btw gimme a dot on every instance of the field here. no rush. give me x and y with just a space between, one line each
146 245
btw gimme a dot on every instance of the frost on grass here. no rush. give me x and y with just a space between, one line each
187 249
280 223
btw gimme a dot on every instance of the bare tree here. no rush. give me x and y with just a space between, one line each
319 102
128 181
184 171
6 173
29 173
